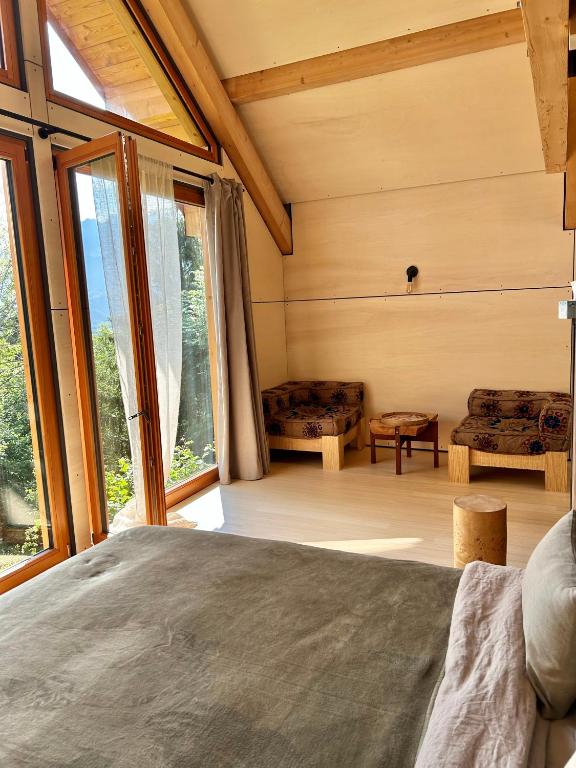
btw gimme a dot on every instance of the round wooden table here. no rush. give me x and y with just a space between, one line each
479 530
404 427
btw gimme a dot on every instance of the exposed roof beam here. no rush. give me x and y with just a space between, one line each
546 26
178 33
471 36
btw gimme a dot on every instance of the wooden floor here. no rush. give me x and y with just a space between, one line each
367 508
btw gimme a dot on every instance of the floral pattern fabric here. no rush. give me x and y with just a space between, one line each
516 421
311 409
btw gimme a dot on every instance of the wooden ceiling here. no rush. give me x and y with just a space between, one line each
445 120
106 42
248 35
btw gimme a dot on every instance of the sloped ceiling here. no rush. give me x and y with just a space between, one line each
468 117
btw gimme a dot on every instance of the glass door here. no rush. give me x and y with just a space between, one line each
112 333
34 532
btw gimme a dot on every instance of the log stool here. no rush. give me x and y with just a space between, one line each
479 530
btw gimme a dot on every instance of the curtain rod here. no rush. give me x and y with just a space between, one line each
46 129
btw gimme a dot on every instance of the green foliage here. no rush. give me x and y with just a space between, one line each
17 470
119 486
32 539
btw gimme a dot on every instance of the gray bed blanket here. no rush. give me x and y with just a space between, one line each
164 648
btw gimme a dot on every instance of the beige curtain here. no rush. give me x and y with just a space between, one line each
241 441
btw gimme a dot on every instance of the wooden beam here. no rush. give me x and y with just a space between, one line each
570 180
176 29
546 27
471 36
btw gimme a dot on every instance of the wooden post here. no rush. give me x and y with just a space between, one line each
459 464
479 530
360 440
333 452
556 471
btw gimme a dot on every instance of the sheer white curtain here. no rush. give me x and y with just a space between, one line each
163 264
106 204
163 260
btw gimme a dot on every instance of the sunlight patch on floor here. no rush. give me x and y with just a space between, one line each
367 546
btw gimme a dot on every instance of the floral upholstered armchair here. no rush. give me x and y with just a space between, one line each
517 429
319 416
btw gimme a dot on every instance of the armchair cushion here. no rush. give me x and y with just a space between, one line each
312 421
516 421
496 435
310 409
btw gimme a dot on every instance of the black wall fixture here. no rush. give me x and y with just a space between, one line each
411 274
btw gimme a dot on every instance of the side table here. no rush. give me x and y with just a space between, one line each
404 427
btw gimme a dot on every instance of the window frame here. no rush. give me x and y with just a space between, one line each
211 152
10 73
38 350
123 148
192 195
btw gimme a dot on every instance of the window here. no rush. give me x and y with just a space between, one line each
194 461
105 60
33 515
139 309
9 63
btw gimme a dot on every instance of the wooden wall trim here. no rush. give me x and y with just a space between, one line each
546 27
175 27
470 36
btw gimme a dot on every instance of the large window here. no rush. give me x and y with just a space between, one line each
9 63
33 518
195 457
104 59
141 327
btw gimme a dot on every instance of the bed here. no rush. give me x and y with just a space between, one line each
162 648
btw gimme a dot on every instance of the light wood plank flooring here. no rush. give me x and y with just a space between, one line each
367 508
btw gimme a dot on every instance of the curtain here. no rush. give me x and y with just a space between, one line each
163 261
241 437
163 265
107 208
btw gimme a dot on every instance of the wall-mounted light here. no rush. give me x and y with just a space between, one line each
411 274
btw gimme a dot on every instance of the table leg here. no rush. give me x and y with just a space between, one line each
398 451
435 435
372 449
409 448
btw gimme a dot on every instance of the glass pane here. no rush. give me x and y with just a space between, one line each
101 58
106 305
25 526
194 451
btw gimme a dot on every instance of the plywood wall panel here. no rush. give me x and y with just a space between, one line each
484 234
428 352
270 331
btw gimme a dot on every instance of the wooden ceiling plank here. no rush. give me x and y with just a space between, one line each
174 25
547 30
471 36
155 69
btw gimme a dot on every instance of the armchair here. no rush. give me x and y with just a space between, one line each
318 416
516 429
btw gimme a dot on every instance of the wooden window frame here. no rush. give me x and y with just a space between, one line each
191 195
34 299
10 72
123 148
211 152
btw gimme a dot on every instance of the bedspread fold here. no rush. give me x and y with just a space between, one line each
485 710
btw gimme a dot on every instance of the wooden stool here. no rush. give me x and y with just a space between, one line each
479 530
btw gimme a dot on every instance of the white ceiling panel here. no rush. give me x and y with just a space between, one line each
463 118
248 35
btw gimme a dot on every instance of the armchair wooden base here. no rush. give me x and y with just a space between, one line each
330 446
554 464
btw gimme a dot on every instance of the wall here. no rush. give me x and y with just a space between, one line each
493 263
